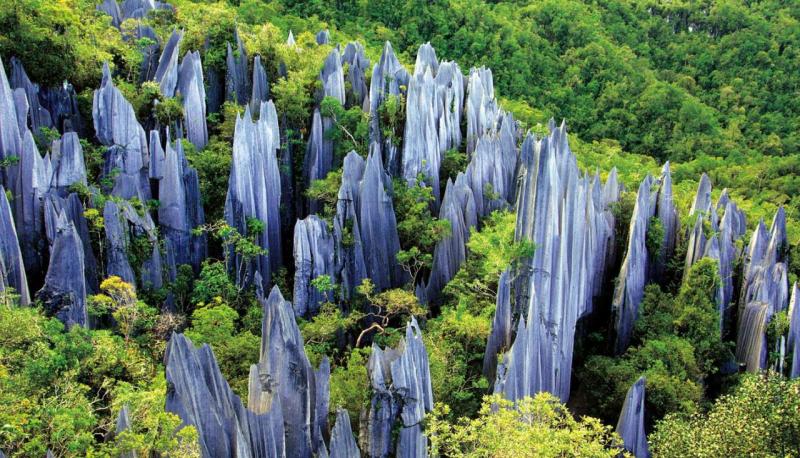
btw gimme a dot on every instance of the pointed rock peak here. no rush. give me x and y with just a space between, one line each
323 37
702 200
106 75
290 41
631 421
426 60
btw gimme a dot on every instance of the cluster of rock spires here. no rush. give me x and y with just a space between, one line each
567 216
643 263
46 247
287 405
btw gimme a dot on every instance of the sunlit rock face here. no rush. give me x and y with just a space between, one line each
116 127
357 94
254 192
237 82
643 262
401 396
180 210
343 443
630 426
389 78
559 211
764 290
71 208
192 90
313 258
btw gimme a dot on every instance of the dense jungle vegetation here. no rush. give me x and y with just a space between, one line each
712 86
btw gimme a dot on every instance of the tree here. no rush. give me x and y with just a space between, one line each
540 426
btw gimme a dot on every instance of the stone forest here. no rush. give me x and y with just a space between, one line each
264 229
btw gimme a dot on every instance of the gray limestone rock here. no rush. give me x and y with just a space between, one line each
349 252
192 89
358 64
260 90
793 340
32 184
67 163
167 71
64 292
751 342
116 126
318 160
38 116
10 137
557 212
630 426
237 84
12 269
500 336
388 79
313 258
323 37
481 109
198 393
124 423
343 443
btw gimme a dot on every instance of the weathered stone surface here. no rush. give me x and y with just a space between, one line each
421 155
32 184
192 89
64 292
401 397
378 226
500 336
12 268
124 226
180 208
111 7
156 168
318 159
151 52
641 265
313 257
323 37
358 65
290 40
38 116
630 426
116 126
201 397
482 109
167 72
284 379
751 342
72 208
237 84
68 164
556 211
254 191
388 78
10 138
349 256
793 340
260 90
490 174
322 380
458 208
343 443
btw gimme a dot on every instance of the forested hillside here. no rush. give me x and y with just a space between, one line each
399 227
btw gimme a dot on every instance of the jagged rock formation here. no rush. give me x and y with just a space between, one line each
458 207
116 126
10 139
490 172
378 226
167 72
630 426
349 256
64 292
559 212
254 191
388 79
654 199
283 380
358 64
32 184
343 443
67 163
201 397
317 163
237 84
313 257
156 167
12 269
128 231
323 37
482 109
793 340
500 337
192 89
72 208
764 290
38 116
401 392
180 210
151 52
260 89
